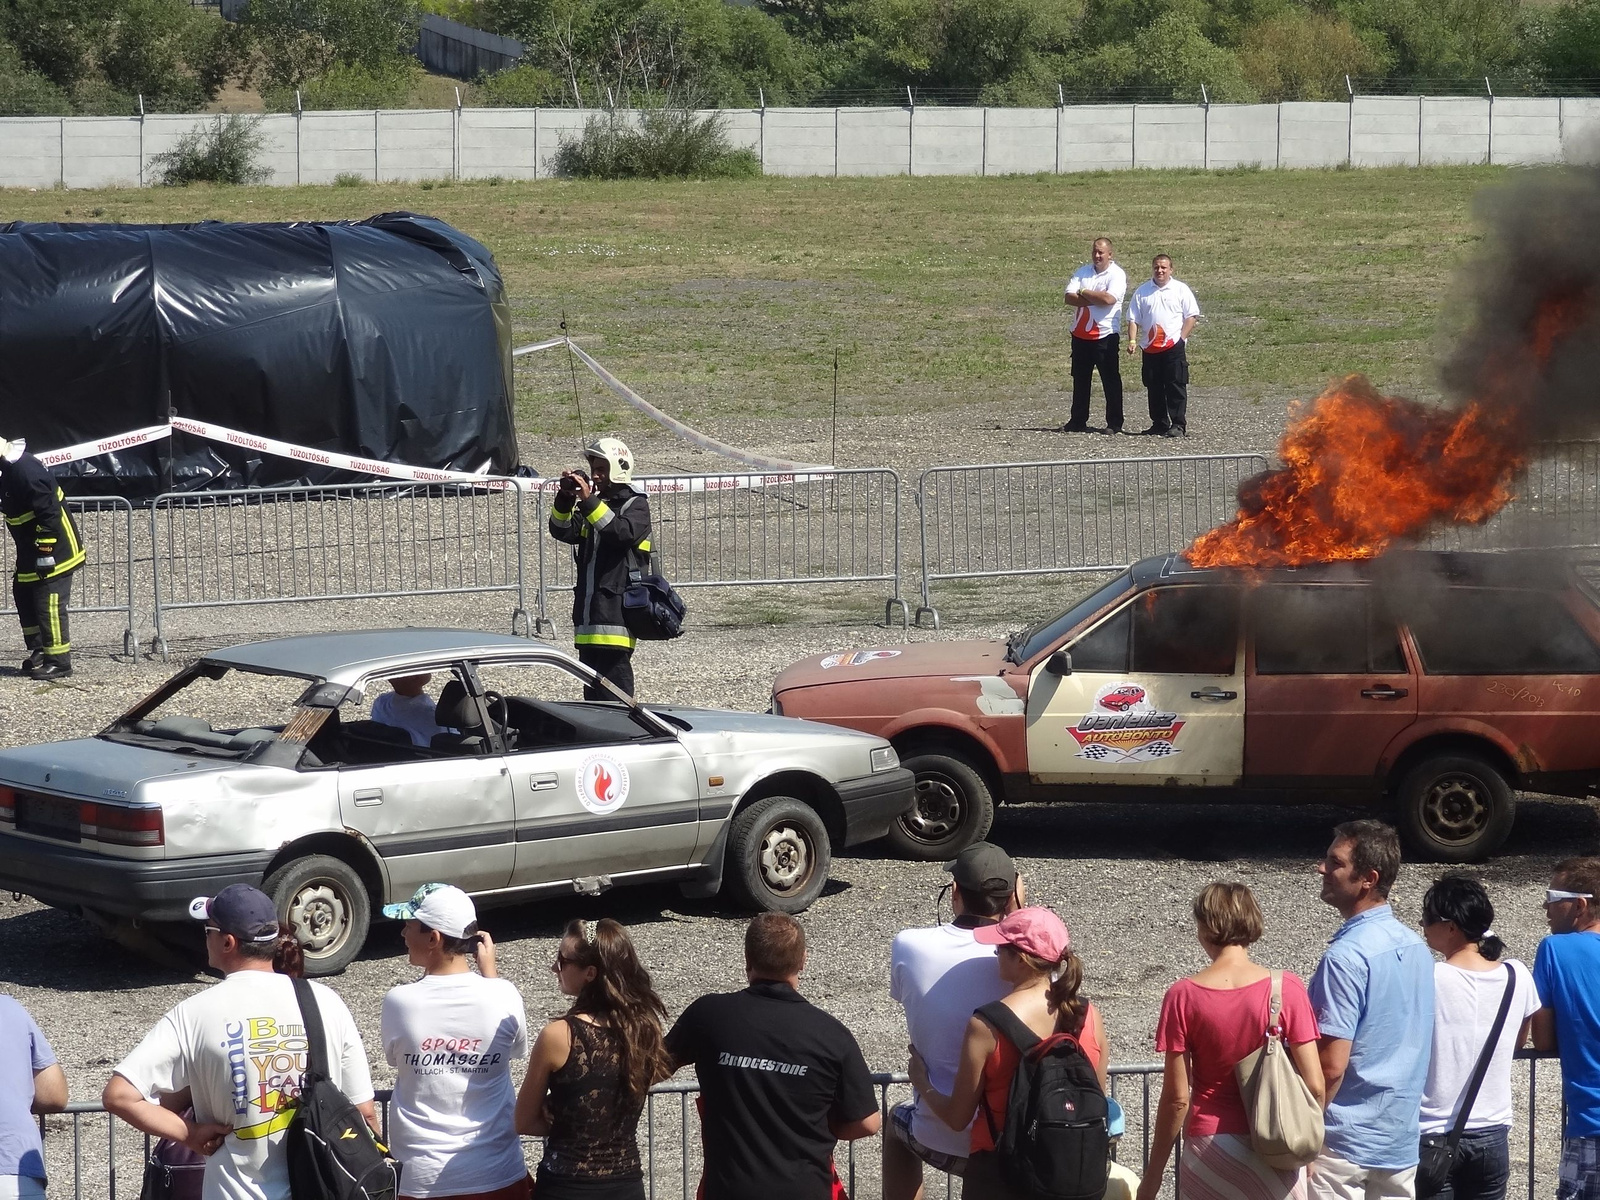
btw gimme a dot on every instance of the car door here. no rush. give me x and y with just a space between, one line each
444 815
599 793
1155 695
1328 685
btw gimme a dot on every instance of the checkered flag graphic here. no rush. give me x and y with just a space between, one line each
1160 749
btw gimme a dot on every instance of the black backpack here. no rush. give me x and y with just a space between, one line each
1055 1144
332 1153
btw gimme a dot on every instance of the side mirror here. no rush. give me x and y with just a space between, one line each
1059 663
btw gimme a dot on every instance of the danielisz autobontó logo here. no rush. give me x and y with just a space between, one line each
602 784
1124 727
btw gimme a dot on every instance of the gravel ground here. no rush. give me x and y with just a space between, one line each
1122 876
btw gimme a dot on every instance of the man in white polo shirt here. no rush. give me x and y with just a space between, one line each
1096 290
1161 316
941 974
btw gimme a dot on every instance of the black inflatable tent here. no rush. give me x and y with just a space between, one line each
387 339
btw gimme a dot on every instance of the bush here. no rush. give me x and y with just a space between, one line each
1303 55
226 150
342 87
669 142
519 87
25 93
299 41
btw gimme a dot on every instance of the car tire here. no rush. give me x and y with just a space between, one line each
1455 808
778 855
953 809
324 903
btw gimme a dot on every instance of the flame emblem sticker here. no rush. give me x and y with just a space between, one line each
855 658
1124 727
602 784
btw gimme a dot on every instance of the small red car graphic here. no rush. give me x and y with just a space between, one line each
1122 699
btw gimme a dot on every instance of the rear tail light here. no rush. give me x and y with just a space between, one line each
121 825
8 805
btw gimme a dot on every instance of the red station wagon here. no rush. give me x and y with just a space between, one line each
1429 686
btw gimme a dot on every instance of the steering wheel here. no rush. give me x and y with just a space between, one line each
500 713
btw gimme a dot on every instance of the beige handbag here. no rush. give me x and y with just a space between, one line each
1286 1127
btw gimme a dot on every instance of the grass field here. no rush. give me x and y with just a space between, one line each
729 299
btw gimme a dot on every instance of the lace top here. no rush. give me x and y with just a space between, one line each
594 1117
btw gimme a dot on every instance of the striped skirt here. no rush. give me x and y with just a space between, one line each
1223 1167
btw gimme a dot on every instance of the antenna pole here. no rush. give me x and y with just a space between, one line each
834 460
572 368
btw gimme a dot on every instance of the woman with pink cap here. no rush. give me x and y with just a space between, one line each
1046 977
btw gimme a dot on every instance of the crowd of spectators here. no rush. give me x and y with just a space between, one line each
1404 1053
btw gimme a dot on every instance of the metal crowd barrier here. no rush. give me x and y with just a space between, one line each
347 542
1557 506
757 530
104 584
1046 518
671 1148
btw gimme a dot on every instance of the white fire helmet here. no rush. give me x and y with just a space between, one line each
12 450
616 455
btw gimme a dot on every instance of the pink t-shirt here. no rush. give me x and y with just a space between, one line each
1218 1027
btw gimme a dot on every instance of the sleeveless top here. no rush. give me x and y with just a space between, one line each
594 1117
1001 1065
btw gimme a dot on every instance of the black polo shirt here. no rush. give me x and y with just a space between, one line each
774 1070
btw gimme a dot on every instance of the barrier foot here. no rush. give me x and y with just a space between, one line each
889 606
930 611
130 644
158 645
521 614
544 627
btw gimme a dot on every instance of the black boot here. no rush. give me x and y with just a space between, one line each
55 666
33 662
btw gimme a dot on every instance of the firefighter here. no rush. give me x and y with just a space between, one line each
607 522
48 552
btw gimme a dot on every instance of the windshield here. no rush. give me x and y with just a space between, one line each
214 710
1036 639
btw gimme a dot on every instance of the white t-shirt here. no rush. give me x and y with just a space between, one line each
1160 312
414 714
451 1039
1097 321
1464 1006
241 1048
941 976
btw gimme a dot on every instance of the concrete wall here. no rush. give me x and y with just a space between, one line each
317 147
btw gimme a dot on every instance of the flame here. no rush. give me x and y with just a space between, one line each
602 784
1362 470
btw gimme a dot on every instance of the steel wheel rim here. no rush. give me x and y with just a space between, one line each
1456 809
319 917
787 858
938 811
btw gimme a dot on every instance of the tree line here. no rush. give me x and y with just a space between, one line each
105 56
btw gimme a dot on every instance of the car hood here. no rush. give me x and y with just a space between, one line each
915 661
715 720
96 767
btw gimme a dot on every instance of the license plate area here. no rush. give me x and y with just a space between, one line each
49 816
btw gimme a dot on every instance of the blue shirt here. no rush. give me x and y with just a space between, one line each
1374 988
23 1051
1567 974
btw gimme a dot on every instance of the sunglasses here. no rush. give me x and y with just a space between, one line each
561 961
1555 896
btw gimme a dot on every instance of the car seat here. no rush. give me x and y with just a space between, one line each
458 710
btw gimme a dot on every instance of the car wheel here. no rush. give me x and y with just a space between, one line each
778 855
323 902
953 809
1455 808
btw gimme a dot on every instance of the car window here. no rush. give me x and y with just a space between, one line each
217 711
399 718
1041 637
1323 631
1166 631
1477 631
540 705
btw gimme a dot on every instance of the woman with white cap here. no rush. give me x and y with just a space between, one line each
451 1037
1046 978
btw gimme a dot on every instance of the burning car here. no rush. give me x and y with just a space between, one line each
1428 686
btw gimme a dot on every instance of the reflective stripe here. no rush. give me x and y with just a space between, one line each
22 520
29 630
55 645
601 515
645 545
621 641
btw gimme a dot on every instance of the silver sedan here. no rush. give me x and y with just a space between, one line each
340 771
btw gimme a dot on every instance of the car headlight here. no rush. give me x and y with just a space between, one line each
885 759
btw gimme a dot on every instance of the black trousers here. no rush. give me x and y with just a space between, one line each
1088 356
42 612
1165 375
609 662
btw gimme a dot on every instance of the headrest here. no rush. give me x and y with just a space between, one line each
456 709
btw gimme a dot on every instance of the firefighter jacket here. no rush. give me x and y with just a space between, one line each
610 536
31 502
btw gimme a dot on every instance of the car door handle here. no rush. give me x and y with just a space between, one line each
1384 693
1213 693
544 783
366 797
